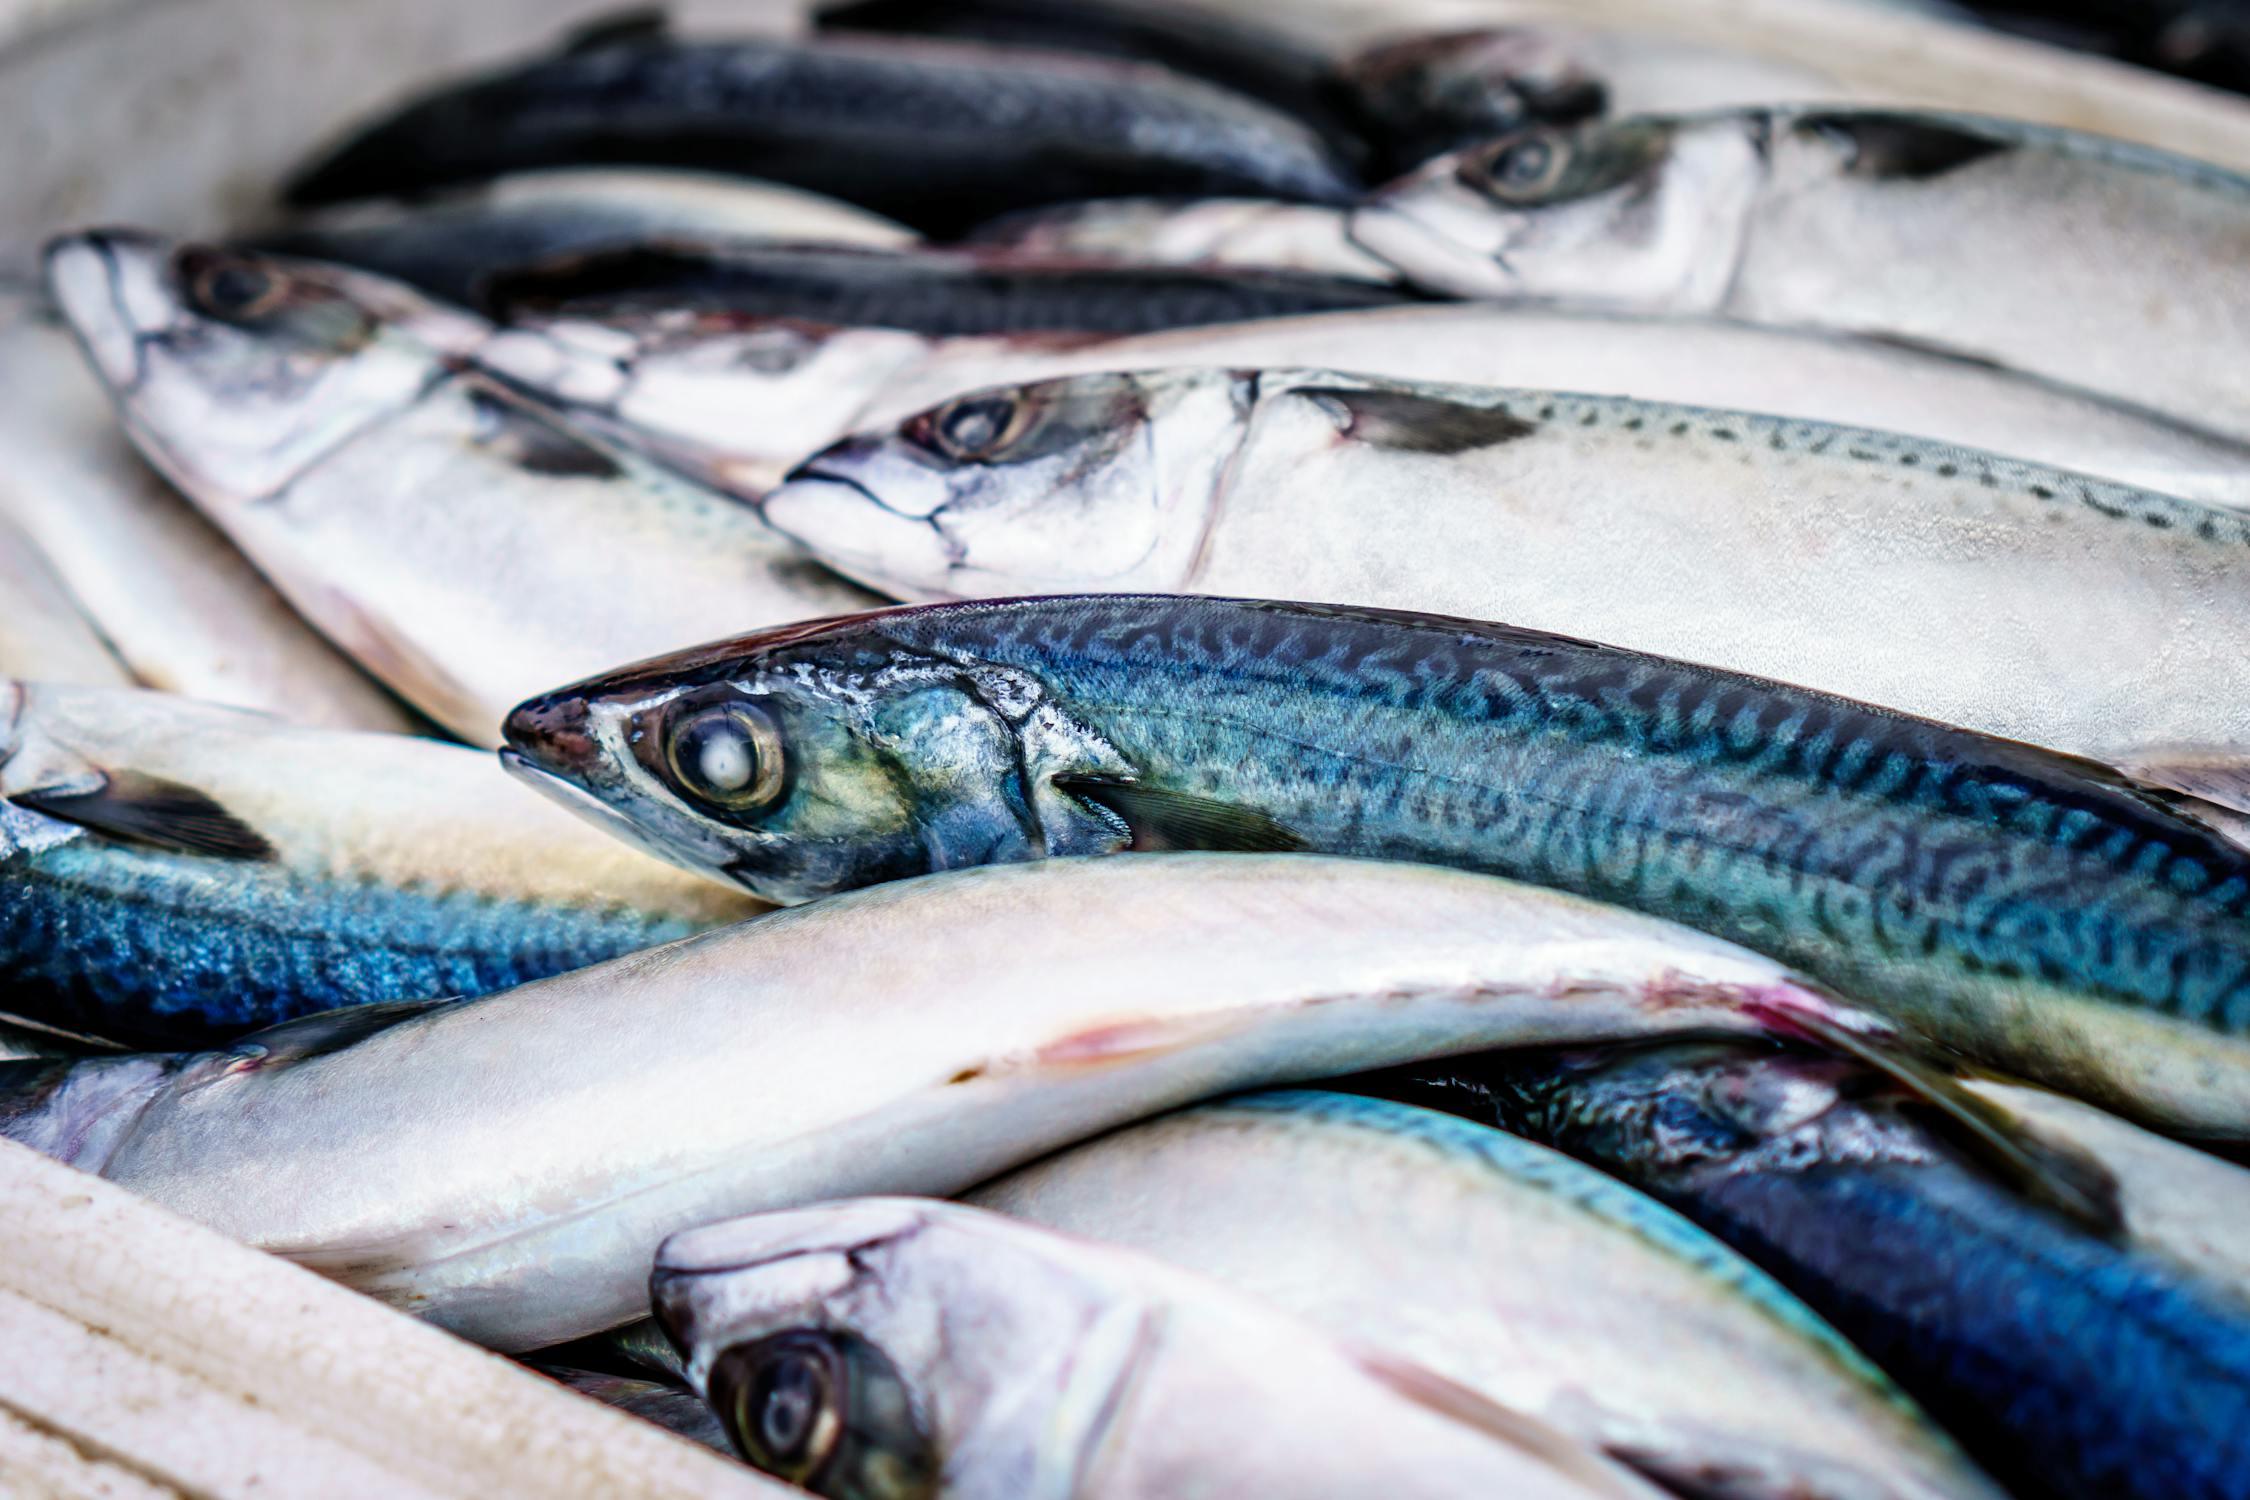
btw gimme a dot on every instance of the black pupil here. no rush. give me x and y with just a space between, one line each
1526 163
976 426
232 288
788 1404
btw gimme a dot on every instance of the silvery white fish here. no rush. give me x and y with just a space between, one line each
451 535
43 632
506 1166
1996 595
450 244
734 403
2084 260
917 1350
1538 1283
176 873
183 610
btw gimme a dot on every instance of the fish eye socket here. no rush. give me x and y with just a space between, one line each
782 1399
1524 169
725 755
977 428
231 289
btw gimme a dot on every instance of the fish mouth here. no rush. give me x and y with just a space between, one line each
1425 254
839 520
114 287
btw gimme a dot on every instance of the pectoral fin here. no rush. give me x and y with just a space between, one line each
1165 820
2050 1172
329 1031
150 810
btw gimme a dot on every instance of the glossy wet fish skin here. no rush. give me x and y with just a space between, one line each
2055 243
367 868
932 291
1922 577
2069 1365
936 135
43 632
451 245
1532 1280
181 607
2031 909
969 1355
505 1167
453 536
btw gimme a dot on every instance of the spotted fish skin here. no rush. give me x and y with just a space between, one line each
2030 908
2073 1367
168 950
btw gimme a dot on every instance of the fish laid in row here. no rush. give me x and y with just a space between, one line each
735 403
2073 257
175 873
1999 595
2035 910
928 1351
449 533
1538 1283
506 1166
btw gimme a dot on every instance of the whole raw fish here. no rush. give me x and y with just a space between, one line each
451 244
736 403
43 632
458 540
2006 597
506 1166
176 873
2033 909
913 1349
1535 1282
922 290
182 609
937 135
2073 257
2070 1365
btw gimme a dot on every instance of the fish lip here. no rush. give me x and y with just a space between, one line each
759 1239
85 279
1415 248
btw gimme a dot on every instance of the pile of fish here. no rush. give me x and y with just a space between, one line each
1671 661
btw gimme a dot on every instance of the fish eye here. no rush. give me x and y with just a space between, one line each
228 288
782 1399
1523 170
976 428
824 1411
725 755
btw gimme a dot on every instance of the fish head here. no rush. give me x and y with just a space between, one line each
236 371
1645 213
1434 91
819 757
897 1347
1100 482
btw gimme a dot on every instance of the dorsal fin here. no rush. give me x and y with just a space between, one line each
145 809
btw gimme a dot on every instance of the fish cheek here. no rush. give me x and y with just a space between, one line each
966 782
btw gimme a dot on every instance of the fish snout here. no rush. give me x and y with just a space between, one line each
114 286
552 733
